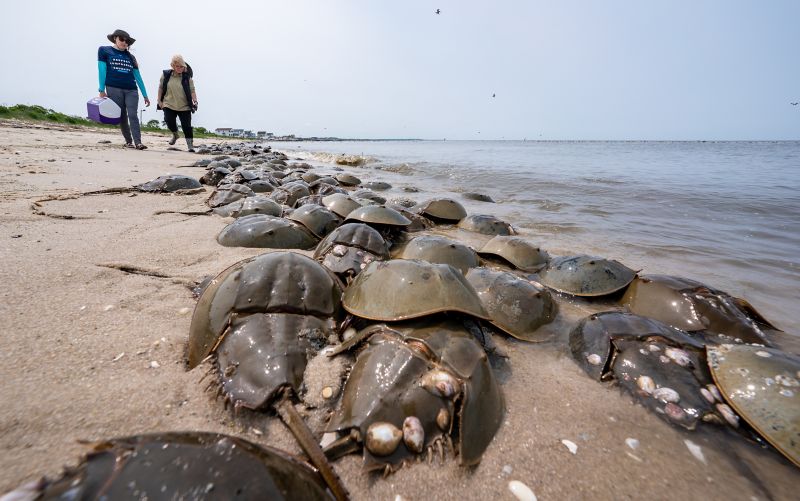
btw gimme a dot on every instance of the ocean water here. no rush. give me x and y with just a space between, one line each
724 213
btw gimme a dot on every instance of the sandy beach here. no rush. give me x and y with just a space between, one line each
96 311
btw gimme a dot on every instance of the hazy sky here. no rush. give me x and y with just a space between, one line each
607 69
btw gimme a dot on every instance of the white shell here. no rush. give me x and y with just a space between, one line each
413 434
696 450
521 491
679 356
594 359
646 384
707 395
572 446
439 382
728 414
382 438
666 395
714 391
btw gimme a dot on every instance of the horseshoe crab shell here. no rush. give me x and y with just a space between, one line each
378 214
340 204
402 289
277 282
486 224
250 205
516 306
347 179
227 193
444 209
516 251
440 250
586 275
183 466
170 184
662 367
692 306
266 232
434 372
350 247
369 195
317 219
289 193
763 387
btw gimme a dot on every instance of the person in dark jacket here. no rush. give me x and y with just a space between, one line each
177 97
119 76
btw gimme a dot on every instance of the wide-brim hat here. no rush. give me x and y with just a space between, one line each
121 34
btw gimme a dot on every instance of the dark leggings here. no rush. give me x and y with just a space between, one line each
186 121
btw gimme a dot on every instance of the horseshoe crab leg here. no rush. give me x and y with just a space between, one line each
292 419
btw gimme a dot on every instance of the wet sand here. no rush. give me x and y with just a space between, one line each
89 351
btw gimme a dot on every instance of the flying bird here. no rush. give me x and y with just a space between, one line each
438 11
493 94
794 104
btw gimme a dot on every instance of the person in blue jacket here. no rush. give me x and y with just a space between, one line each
119 76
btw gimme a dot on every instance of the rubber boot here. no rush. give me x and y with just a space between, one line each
174 138
189 142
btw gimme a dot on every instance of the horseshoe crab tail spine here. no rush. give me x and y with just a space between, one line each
292 419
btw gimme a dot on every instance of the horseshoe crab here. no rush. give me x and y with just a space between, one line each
377 215
182 466
170 184
317 219
692 306
402 289
486 224
442 210
289 193
414 386
377 185
213 176
347 179
250 205
762 386
480 197
586 275
225 194
369 195
440 250
516 306
267 232
516 251
350 248
340 204
662 367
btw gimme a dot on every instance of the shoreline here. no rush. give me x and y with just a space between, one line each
82 335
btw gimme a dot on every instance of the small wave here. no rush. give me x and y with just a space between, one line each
343 159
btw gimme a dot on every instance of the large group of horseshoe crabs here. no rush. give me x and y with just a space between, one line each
380 290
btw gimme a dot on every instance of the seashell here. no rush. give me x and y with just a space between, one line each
413 434
666 395
674 412
679 356
653 347
707 395
569 444
382 438
443 420
728 414
712 388
594 359
646 384
696 450
339 250
439 382
521 491
632 443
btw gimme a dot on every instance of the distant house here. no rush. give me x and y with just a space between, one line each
223 131
261 134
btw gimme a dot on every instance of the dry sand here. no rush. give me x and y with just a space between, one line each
89 351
